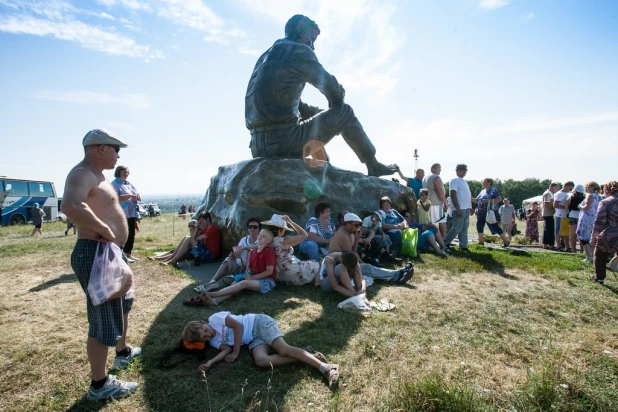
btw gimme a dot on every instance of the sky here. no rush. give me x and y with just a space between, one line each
512 88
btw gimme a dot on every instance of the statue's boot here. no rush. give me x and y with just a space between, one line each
375 168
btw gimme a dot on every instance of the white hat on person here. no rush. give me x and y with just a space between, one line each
277 221
351 217
102 136
579 189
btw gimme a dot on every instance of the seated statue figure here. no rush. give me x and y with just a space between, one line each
281 125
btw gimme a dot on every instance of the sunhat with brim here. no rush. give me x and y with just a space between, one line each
381 214
192 222
579 189
277 221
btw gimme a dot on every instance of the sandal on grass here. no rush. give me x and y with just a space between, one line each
197 301
318 355
332 376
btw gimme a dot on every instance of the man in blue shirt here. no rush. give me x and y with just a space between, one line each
416 183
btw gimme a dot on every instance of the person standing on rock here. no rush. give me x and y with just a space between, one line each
281 124
91 202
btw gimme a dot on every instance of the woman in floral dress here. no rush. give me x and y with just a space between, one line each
588 212
532 222
289 268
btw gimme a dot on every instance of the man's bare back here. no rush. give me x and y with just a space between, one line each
91 203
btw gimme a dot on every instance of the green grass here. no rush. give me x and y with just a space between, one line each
491 330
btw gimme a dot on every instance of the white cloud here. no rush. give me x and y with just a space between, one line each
198 16
104 15
87 36
129 4
134 101
359 42
530 16
493 4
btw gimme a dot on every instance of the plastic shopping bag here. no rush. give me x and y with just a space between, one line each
109 274
358 303
409 240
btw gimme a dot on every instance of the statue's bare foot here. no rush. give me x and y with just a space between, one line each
375 168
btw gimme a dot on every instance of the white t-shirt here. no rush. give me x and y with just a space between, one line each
464 197
224 334
561 197
244 256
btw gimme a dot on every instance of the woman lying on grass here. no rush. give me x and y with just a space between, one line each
227 333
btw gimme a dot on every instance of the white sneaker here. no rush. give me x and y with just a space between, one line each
130 259
587 259
120 362
113 388
133 257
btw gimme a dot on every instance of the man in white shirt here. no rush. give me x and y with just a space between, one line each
507 217
461 198
560 204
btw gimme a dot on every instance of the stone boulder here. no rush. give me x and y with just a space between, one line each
261 187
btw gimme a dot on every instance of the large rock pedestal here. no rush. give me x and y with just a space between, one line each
261 187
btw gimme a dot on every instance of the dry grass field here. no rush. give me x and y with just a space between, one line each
510 330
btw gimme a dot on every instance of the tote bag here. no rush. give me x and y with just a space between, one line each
491 215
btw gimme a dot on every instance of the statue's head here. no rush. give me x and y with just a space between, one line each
302 29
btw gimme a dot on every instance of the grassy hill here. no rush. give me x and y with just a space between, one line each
493 330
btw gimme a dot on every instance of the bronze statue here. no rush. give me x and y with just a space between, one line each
281 125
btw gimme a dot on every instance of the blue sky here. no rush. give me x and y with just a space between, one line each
513 88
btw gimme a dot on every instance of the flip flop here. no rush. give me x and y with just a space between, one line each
194 302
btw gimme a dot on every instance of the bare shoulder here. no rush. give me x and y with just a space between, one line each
80 181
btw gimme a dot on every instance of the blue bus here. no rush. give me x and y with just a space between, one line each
18 196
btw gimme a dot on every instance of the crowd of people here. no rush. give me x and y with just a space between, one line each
341 257
585 213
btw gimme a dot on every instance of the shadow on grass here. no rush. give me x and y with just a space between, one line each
484 257
66 278
85 405
241 385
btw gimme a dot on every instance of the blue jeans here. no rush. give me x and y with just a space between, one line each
395 235
459 228
311 249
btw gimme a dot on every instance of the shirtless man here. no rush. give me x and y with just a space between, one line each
92 204
347 238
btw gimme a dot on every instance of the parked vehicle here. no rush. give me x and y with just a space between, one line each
18 196
157 211
144 209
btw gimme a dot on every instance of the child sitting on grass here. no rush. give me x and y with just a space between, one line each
261 263
227 333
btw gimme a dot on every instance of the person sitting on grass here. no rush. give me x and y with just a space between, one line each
238 259
340 272
290 269
430 237
347 238
261 275
227 333
373 222
192 226
204 245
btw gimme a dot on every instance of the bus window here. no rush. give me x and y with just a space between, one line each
40 189
1 185
16 188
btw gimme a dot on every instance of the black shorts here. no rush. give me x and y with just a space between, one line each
106 321
38 226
